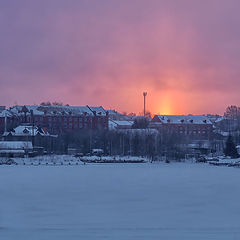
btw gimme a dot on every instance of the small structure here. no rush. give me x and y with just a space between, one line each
15 148
97 151
120 124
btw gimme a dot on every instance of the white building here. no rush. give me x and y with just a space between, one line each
15 148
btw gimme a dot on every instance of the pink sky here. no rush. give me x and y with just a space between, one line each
185 54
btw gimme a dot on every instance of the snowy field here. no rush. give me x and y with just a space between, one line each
132 201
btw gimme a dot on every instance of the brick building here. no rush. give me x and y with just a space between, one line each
55 119
191 126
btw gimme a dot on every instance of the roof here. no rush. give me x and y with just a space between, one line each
12 151
27 130
119 123
15 145
182 119
99 110
57 110
5 113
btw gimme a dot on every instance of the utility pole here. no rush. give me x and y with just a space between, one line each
144 103
32 118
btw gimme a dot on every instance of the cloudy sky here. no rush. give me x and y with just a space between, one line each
184 53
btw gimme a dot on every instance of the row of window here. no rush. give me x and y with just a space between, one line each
194 132
200 128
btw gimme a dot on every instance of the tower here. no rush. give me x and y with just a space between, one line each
144 103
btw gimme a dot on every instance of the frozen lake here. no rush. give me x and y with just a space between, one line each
136 201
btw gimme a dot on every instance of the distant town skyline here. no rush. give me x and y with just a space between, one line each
185 54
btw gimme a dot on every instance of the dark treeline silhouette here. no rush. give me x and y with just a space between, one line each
135 142
48 103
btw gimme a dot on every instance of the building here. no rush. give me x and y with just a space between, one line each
39 137
55 119
114 115
120 124
191 126
15 148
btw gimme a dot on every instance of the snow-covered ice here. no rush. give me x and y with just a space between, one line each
123 201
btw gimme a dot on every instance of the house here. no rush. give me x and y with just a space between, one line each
191 126
15 148
119 124
39 137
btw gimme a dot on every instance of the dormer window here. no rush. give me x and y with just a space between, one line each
25 131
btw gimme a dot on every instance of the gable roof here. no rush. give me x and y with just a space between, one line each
27 130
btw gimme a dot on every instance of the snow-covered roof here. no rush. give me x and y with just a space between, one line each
99 110
27 130
5 113
183 119
220 119
57 110
15 145
12 151
112 124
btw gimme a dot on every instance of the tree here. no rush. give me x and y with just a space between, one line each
232 112
140 123
45 103
57 103
230 149
48 103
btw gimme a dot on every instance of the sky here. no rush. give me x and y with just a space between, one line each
184 53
